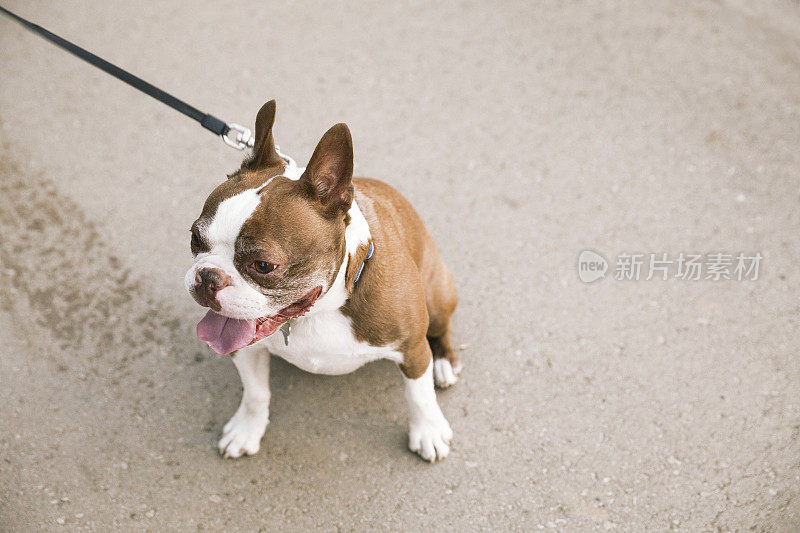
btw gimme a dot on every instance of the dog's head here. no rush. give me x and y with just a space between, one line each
267 246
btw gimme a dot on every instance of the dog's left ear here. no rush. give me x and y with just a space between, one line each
328 178
264 153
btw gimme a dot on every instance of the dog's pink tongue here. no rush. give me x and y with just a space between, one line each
225 335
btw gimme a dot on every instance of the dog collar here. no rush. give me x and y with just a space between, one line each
360 268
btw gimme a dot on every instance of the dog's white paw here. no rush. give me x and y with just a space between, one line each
444 375
242 434
430 438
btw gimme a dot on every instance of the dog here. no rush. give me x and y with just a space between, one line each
328 272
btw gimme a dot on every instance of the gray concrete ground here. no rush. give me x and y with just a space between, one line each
523 133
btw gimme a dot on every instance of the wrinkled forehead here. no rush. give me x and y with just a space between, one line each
231 204
236 185
285 216
264 209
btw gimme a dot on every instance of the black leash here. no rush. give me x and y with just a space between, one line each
243 137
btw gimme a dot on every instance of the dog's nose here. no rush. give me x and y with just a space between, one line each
208 282
214 279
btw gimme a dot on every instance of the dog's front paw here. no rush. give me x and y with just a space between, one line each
430 438
242 434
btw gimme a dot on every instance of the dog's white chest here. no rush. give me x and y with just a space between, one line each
323 343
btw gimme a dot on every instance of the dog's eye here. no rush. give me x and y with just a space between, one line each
196 242
262 267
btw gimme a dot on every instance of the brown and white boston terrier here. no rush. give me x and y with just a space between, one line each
326 271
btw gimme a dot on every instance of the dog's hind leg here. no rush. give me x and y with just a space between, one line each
429 433
441 299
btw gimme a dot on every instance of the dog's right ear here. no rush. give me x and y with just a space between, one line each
328 178
264 153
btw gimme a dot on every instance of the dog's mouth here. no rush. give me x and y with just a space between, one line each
225 335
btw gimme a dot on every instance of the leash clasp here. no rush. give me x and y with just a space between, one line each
243 139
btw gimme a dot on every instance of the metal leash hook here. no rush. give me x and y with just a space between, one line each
244 137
